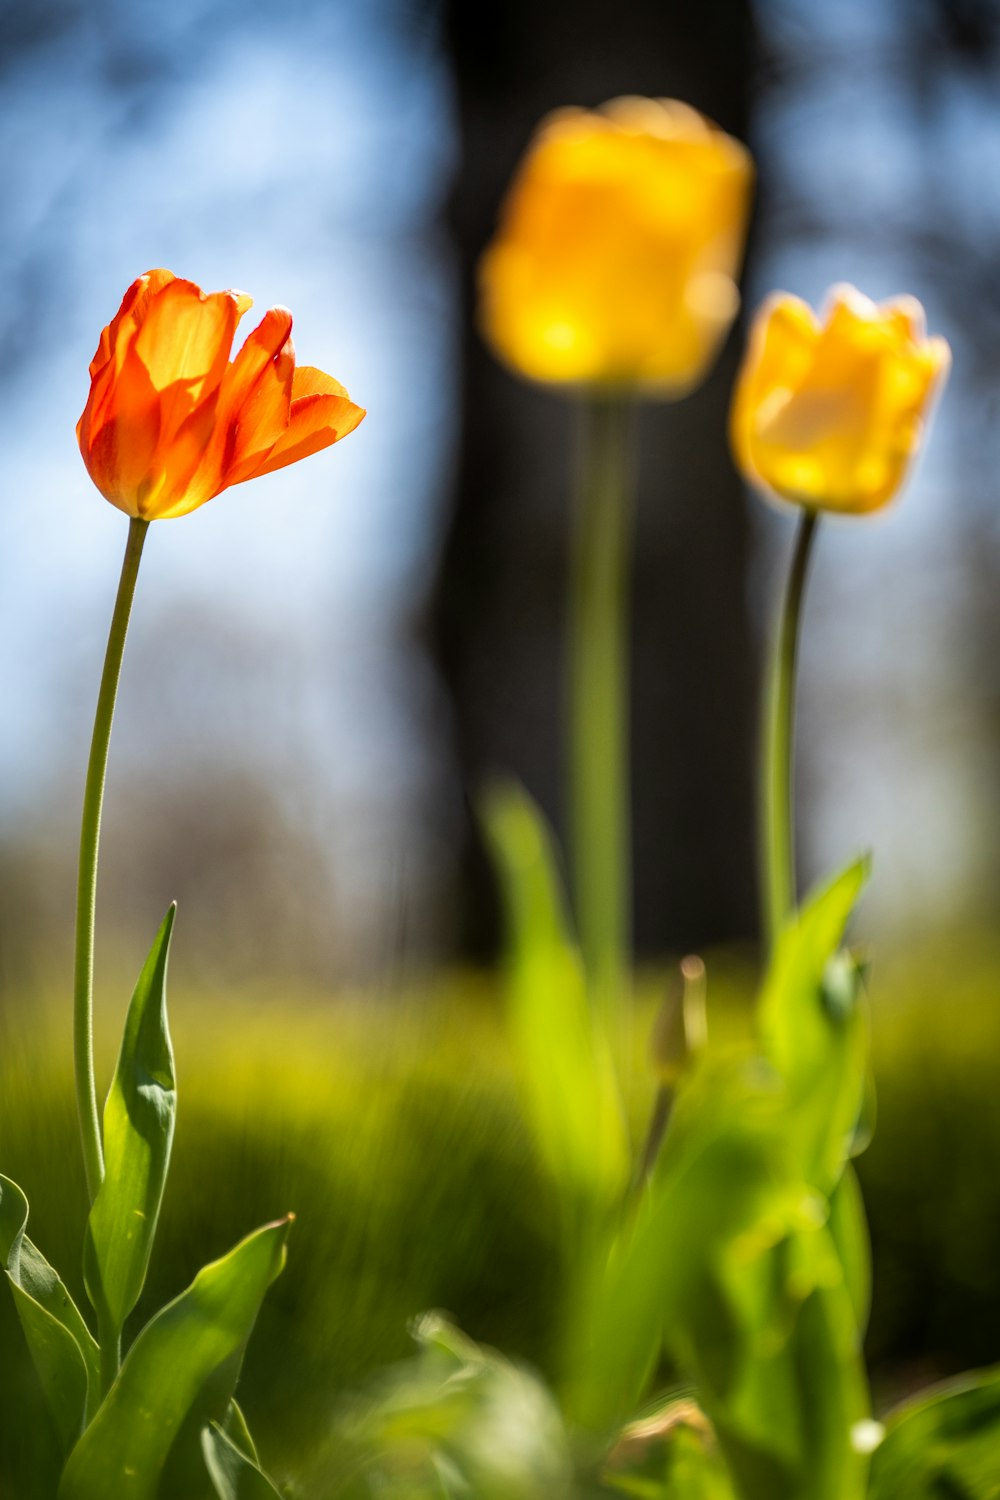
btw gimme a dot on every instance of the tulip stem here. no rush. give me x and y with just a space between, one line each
599 697
777 841
86 891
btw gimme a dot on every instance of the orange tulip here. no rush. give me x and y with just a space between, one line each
171 421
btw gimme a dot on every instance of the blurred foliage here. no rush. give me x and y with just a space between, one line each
389 1124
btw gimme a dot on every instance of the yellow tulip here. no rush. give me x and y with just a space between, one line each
619 244
830 413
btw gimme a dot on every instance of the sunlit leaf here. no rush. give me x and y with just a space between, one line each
62 1349
849 1229
736 1264
179 1375
565 1062
943 1445
813 1028
138 1133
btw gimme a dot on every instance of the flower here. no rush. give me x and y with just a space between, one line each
170 421
618 248
829 414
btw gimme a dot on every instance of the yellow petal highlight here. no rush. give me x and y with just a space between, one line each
829 413
619 244
170 421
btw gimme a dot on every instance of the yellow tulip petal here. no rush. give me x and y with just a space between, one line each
830 414
618 247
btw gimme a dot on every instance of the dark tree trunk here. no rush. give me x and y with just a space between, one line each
500 600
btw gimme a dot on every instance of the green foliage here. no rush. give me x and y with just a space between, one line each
138 1134
390 1126
64 1353
814 1033
235 1474
731 1263
456 1421
566 1066
943 1445
178 1377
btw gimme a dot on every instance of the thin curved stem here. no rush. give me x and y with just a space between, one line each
777 841
86 891
110 1340
599 699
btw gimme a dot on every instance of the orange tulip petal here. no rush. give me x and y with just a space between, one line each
316 420
121 451
308 381
257 396
170 422
115 342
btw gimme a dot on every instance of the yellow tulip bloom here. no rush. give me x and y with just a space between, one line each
619 243
830 413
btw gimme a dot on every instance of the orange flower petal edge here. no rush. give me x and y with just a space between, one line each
171 421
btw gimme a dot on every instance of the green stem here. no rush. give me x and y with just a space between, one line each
110 1340
599 698
86 891
777 809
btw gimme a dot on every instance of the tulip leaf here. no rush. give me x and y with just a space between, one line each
62 1348
746 1259
178 1377
236 1429
566 1067
138 1134
849 1230
942 1443
813 1028
234 1475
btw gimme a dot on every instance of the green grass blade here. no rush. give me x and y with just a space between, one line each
62 1349
138 1134
181 1369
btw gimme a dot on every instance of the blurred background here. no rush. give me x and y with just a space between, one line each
326 663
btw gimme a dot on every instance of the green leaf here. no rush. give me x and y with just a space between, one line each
138 1134
943 1444
849 1229
236 1429
566 1066
813 1029
455 1422
234 1475
724 1181
62 1348
180 1371
731 1266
